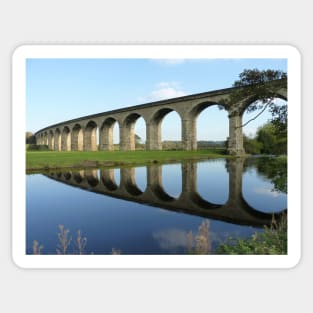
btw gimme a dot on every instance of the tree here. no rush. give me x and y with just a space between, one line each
272 141
263 87
251 145
30 138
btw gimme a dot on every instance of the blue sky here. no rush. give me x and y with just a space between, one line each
62 89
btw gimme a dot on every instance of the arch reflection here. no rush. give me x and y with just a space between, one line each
235 210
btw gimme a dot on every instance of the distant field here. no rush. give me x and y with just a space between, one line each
37 160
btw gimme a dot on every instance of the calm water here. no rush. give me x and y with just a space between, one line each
150 210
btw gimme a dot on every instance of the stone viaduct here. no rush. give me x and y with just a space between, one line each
80 134
236 210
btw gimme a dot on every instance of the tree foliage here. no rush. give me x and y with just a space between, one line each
268 140
260 88
30 138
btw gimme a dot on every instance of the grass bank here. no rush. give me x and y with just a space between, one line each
44 160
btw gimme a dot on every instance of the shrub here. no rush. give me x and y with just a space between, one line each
272 241
34 147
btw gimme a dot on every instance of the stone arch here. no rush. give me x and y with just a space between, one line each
51 140
154 130
57 140
141 178
154 184
66 139
128 181
106 134
213 181
67 175
45 138
190 123
77 138
92 177
244 106
127 131
173 190
108 179
90 136
78 177
253 120
201 106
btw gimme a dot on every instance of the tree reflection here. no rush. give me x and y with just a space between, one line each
272 168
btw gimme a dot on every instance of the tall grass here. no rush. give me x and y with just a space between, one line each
66 245
272 241
201 242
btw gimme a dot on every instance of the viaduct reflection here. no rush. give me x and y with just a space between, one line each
236 210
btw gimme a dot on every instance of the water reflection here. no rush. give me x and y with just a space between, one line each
233 208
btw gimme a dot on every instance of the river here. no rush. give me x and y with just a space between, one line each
152 209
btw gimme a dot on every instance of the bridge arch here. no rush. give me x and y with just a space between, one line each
51 140
108 179
106 134
57 140
201 106
255 98
90 136
154 127
77 138
128 181
206 121
127 131
67 175
66 139
45 138
92 178
78 177
212 177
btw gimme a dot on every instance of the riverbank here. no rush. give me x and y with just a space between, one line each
46 160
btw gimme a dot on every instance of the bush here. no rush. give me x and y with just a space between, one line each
34 147
251 145
272 241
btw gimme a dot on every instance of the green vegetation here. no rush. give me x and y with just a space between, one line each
268 140
272 241
38 160
273 168
30 138
34 147
256 86
271 138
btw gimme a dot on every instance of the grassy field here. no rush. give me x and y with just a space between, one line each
38 160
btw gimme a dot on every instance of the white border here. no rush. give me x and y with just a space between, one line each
155 51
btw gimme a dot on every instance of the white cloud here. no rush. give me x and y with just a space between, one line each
171 238
267 192
164 90
169 61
